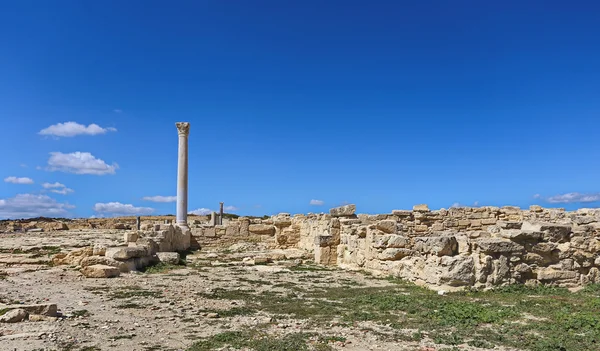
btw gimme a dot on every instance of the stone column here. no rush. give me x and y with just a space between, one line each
183 129
220 213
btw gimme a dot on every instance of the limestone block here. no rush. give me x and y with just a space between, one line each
488 221
558 233
232 230
393 254
220 230
263 229
99 250
511 225
521 236
325 240
436 245
387 226
125 253
45 309
168 257
457 270
498 246
464 222
550 275
421 228
14 316
130 237
100 271
121 226
402 213
102 260
347 210
536 208
396 241
437 227
421 208
150 245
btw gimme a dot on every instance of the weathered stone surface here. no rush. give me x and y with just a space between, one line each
498 246
393 254
125 253
168 257
264 229
46 309
396 241
100 271
130 237
387 226
14 316
421 208
553 232
347 210
549 275
521 235
72 258
436 245
102 260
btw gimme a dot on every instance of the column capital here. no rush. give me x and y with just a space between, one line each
183 128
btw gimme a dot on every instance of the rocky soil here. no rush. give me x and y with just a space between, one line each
227 299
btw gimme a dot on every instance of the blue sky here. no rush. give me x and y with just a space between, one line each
385 104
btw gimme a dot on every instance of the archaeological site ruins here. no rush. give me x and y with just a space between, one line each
446 250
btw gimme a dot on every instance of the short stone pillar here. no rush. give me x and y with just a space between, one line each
183 129
213 219
220 213
138 222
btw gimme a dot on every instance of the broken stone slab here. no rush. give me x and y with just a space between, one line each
436 245
553 232
421 208
168 257
522 235
393 254
550 274
347 210
387 226
125 253
14 316
45 309
402 213
500 246
262 229
100 271
102 260
326 240
510 225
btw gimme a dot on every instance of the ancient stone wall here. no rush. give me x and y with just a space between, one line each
479 247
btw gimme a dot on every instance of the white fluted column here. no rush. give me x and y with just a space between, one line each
183 129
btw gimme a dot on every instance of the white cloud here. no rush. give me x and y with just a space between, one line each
30 205
23 165
63 191
117 110
53 185
119 209
476 203
573 198
317 202
159 198
71 129
79 163
16 180
201 212
457 205
537 196
230 208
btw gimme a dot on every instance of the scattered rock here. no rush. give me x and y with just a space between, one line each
100 271
14 316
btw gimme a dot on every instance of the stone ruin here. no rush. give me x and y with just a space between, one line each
460 247
478 247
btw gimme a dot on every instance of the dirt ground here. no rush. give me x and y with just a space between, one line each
219 301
